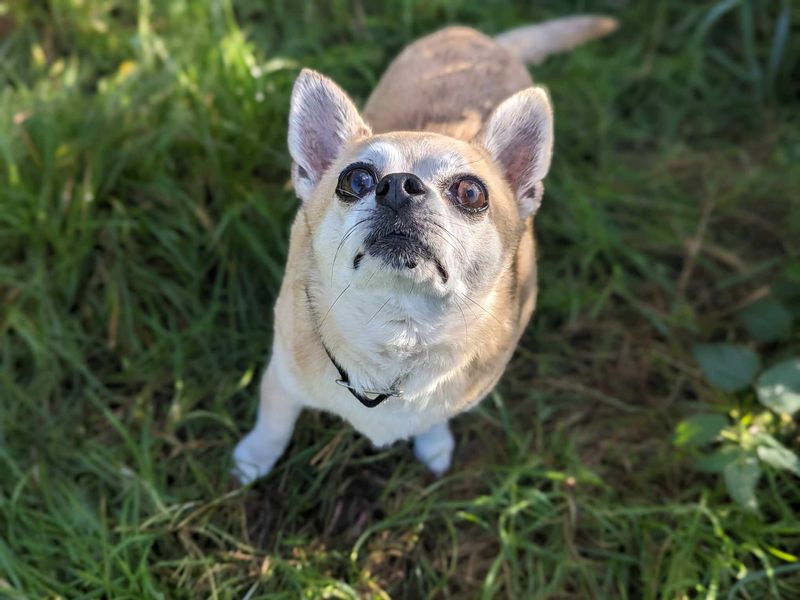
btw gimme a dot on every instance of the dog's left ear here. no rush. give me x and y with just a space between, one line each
519 136
322 119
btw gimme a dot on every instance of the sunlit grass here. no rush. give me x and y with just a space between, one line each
144 218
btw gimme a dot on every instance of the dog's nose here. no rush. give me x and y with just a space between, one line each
398 190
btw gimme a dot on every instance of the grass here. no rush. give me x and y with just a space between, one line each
144 218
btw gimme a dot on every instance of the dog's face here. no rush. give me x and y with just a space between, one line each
417 212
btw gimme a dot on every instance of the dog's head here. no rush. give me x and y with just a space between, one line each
415 211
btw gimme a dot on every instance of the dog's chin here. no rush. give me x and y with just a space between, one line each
405 254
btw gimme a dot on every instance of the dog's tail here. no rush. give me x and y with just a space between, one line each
533 43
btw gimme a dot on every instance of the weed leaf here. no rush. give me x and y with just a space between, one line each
780 457
767 321
741 477
787 286
715 463
778 387
728 367
699 429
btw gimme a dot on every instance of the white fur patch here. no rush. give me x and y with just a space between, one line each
384 156
435 447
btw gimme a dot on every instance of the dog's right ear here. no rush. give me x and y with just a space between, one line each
519 136
322 119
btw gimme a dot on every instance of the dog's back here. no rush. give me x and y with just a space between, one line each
448 82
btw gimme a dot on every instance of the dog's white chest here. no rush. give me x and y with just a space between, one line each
393 351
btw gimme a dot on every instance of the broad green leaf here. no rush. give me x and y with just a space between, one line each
778 387
767 320
772 452
787 286
765 439
780 459
716 463
728 367
699 429
741 477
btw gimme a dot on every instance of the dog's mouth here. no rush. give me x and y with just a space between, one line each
400 249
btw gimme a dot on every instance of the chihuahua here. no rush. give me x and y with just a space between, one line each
412 264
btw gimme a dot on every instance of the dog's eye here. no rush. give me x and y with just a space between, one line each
469 194
355 182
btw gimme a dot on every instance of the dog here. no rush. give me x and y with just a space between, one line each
411 272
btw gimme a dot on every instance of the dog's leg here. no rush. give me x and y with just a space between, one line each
435 448
278 410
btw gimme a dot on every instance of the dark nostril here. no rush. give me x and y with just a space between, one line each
399 190
413 185
383 186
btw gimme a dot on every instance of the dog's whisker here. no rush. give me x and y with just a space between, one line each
463 318
481 307
342 242
446 241
476 161
347 287
449 233
379 310
471 310
381 267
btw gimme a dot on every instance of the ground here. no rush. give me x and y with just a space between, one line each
144 214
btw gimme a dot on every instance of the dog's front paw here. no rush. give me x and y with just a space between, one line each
435 447
253 459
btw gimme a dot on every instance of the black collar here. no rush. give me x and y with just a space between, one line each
367 398
370 401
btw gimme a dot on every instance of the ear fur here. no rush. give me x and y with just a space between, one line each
519 137
322 119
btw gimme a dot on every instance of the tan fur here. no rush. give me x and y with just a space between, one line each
533 43
446 83
437 104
